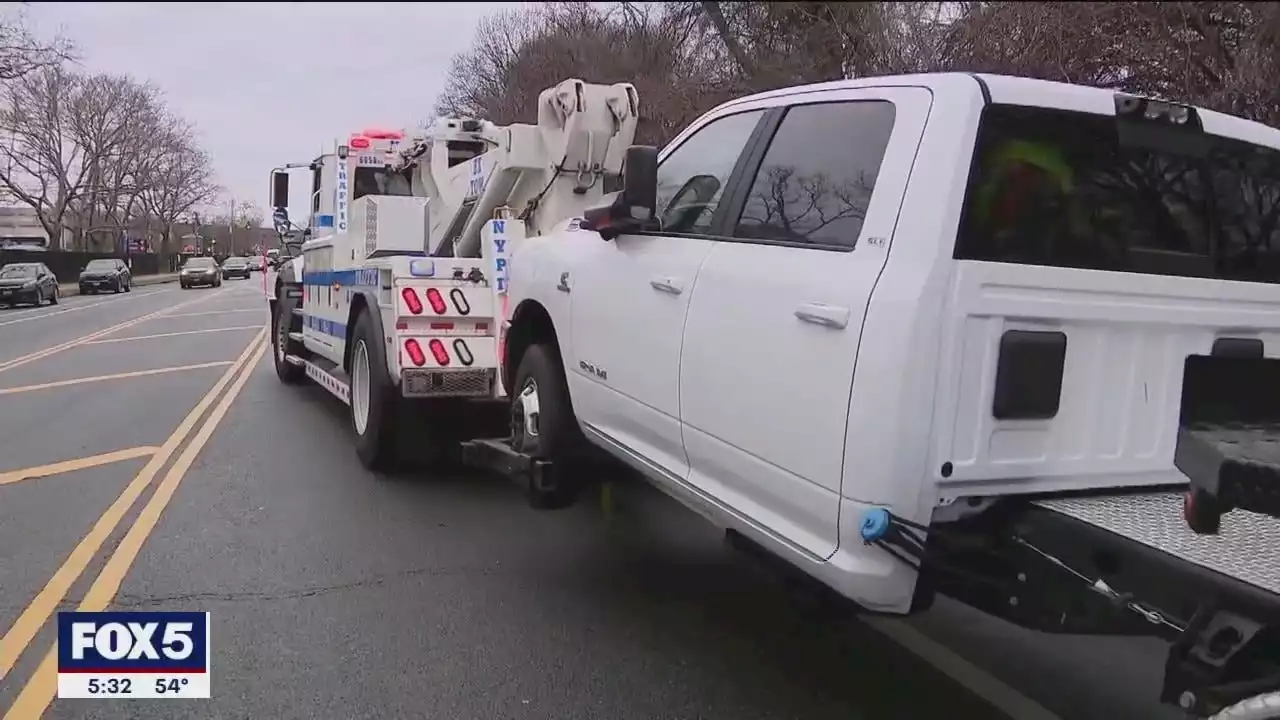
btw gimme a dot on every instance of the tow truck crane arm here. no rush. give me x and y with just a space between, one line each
545 174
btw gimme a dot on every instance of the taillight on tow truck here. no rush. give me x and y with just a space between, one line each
411 299
415 352
440 353
436 300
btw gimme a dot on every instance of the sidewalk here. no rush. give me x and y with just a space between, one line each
69 289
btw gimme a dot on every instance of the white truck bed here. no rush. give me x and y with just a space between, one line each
1246 548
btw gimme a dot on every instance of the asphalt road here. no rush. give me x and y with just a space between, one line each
338 594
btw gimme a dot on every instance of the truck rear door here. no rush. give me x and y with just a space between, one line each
775 320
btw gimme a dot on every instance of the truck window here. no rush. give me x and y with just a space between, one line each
315 186
1051 187
815 182
691 179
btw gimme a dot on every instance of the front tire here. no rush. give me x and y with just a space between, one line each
56 292
282 323
543 425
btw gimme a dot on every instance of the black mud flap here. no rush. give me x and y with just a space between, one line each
1230 467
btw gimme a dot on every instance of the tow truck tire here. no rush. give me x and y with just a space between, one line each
376 445
556 436
282 323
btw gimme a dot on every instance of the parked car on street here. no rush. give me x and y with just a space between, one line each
235 267
200 271
105 274
28 282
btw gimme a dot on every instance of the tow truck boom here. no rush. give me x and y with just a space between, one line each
546 173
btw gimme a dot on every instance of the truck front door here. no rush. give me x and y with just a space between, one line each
772 335
630 297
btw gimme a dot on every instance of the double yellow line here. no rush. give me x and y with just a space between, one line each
40 690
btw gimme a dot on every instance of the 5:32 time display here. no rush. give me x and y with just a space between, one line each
111 686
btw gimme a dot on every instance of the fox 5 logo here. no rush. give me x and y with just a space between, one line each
133 641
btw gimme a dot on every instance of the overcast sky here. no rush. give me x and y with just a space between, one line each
271 83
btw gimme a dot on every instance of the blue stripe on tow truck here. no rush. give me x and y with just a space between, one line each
362 277
325 327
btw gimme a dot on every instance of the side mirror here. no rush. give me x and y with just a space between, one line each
636 205
640 179
279 190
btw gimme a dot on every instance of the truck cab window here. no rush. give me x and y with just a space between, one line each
691 179
815 183
315 186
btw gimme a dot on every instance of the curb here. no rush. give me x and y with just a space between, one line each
142 281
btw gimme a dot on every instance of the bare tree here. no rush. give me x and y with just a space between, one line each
516 54
21 53
248 215
40 163
181 180
116 122
685 57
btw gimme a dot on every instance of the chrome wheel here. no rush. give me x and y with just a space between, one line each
282 333
529 408
360 387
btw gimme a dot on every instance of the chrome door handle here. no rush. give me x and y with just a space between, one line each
832 316
666 285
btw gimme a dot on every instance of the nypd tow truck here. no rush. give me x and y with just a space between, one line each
1070 423
397 302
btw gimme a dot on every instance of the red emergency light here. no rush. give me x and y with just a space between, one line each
382 134
358 143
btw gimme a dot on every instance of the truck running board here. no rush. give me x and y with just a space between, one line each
327 375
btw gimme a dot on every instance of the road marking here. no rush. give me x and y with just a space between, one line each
23 360
43 685
30 317
46 602
115 376
66 466
260 310
986 686
173 334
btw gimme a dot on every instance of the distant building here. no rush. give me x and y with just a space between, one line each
20 224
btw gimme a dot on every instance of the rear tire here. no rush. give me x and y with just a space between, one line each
375 405
282 323
543 426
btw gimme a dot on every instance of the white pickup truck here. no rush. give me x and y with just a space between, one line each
946 333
